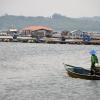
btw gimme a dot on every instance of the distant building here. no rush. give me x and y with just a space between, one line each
12 31
64 33
36 31
56 34
76 34
94 34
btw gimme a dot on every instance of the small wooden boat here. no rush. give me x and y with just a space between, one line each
79 72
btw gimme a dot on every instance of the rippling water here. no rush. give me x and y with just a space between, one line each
35 72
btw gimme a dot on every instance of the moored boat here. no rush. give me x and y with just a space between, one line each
79 72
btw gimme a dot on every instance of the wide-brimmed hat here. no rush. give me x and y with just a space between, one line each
93 52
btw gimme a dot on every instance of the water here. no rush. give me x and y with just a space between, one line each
35 72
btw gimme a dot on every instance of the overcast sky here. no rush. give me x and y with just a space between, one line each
69 8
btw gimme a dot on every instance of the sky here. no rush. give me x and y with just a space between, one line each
69 8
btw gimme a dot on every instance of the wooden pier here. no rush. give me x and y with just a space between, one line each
19 39
6 38
49 40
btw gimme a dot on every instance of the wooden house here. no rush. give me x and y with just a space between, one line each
36 31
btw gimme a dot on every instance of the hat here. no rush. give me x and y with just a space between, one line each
93 52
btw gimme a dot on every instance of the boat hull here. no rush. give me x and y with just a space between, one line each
79 72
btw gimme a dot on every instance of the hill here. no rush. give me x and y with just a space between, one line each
56 21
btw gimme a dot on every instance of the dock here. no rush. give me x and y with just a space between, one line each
49 40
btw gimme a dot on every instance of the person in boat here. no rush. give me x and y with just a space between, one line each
94 60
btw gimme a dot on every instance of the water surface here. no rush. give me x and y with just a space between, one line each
31 71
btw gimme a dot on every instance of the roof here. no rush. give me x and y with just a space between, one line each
11 30
34 28
76 31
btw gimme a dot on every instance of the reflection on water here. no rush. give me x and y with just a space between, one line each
36 72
